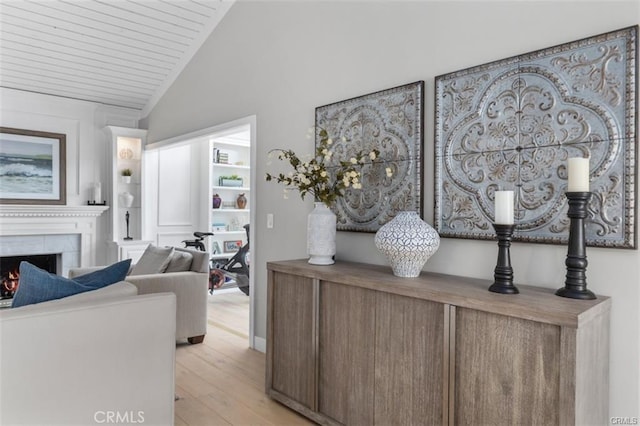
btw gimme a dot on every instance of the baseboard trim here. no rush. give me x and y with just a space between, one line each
260 344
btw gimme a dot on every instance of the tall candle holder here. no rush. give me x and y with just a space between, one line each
503 273
575 284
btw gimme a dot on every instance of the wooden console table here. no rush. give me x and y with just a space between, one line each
352 344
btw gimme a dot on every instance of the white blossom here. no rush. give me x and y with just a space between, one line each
353 160
389 172
372 155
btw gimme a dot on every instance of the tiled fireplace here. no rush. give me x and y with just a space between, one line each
67 233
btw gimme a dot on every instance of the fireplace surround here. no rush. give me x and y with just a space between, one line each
67 230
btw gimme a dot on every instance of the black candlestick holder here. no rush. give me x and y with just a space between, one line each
575 284
503 274
126 218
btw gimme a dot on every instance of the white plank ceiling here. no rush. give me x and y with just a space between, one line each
116 52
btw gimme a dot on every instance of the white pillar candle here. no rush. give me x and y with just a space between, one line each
578 171
97 192
504 207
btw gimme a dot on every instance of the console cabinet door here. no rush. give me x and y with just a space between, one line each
507 370
347 339
293 369
409 354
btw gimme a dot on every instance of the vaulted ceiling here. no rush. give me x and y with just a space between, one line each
116 52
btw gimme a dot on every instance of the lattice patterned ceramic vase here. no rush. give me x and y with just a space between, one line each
408 242
321 235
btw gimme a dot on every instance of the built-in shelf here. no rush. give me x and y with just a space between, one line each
232 166
232 188
242 232
229 143
230 210
234 150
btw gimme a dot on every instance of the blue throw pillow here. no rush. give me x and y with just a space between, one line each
37 285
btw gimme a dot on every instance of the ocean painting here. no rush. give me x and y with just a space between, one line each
30 167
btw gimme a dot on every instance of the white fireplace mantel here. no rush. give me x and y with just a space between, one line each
20 210
23 220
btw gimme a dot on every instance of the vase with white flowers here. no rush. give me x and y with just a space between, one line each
326 179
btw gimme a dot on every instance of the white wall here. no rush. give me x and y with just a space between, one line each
279 60
174 188
86 145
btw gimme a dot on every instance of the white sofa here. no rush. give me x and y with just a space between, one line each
190 287
103 356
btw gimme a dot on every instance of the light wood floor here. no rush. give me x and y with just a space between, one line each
221 381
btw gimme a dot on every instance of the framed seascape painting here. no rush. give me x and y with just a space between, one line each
513 124
32 167
390 121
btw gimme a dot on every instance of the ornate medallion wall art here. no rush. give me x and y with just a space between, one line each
512 125
392 122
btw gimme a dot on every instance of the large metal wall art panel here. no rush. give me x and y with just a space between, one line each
391 121
512 125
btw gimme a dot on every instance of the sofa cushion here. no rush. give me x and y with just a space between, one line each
180 261
37 285
154 260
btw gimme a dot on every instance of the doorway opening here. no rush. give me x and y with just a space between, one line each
222 161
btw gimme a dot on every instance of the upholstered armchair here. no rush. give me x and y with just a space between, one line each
191 287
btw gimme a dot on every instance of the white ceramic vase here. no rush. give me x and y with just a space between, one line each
408 242
126 199
321 235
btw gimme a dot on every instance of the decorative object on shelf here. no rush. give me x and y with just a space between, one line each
321 235
234 224
126 199
96 195
221 157
232 246
218 227
503 272
327 185
392 122
126 175
125 154
216 248
407 242
233 180
241 201
216 201
126 219
514 123
34 167
97 192
575 284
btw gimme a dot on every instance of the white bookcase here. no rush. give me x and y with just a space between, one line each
230 156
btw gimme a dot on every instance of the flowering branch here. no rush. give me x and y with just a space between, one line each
315 177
